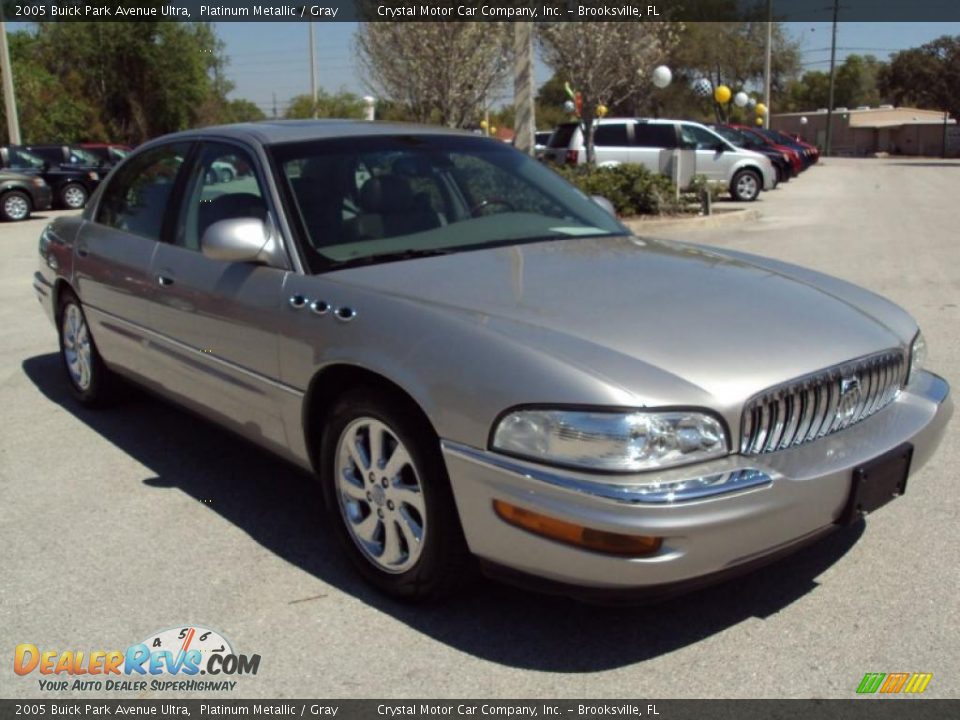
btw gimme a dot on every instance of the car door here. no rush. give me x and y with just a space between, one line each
715 157
650 140
216 320
113 252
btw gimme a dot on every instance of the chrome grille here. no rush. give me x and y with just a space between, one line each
809 408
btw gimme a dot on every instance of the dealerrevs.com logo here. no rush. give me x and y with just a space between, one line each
169 660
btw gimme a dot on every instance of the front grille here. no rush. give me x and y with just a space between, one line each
803 410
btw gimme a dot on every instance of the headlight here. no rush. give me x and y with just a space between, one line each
608 441
918 355
38 182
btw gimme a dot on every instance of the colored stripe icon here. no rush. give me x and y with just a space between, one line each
892 683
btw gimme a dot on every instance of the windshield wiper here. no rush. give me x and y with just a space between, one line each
392 256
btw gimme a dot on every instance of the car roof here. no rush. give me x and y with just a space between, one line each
272 132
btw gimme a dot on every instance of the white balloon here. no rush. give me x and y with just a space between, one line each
741 99
569 106
752 103
803 120
662 76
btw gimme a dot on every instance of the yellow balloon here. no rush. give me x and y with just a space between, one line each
722 94
761 109
602 110
759 121
493 129
483 124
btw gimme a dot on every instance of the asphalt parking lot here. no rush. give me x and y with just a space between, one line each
116 524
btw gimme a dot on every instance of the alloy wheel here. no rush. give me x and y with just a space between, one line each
16 207
380 495
74 197
77 349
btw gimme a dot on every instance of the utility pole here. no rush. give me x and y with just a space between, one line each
767 64
274 106
313 70
828 145
9 99
525 123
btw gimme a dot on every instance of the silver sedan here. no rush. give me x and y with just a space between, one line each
479 362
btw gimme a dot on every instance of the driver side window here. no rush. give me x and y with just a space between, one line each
222 186
698 137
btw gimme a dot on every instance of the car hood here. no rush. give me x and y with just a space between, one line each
731 326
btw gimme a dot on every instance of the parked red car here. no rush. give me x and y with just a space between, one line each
796 159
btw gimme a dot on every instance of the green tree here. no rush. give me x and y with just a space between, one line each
856 83
341 104
927 77
49 108
240 110
144 78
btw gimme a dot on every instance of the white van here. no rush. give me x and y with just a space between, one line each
640 141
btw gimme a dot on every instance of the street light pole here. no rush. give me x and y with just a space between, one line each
9 99
828 145
313 70
767 62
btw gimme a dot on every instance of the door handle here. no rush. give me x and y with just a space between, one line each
82 250
164 281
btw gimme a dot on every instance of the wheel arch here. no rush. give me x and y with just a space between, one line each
329 383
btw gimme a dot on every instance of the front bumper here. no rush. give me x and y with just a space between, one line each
802 493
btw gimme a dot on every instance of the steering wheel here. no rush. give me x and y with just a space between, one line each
487 202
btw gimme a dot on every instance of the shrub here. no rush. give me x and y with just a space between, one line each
632 189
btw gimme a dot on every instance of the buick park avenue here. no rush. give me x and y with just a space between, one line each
480 363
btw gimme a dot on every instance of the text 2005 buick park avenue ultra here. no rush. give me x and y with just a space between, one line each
478 360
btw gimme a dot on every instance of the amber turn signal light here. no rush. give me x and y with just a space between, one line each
572 534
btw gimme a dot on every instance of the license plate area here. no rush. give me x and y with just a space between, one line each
877 482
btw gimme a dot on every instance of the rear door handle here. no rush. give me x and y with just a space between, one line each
82 250
164 281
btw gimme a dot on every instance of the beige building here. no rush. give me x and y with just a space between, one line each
865 131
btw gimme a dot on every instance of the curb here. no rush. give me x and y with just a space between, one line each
726 217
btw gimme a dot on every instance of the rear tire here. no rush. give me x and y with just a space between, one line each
90 381
389 498
746 185
15 205
73 196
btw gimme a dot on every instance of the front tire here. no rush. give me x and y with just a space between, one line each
746 185
15 205
90 381
389 497
73 196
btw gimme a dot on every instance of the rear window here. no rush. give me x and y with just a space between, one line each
611 135
562 135
654 135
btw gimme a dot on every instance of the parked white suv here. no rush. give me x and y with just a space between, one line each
651 143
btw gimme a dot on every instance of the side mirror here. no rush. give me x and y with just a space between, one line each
245 240
604 203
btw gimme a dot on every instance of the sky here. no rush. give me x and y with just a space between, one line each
272 59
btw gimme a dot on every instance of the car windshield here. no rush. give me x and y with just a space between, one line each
734 136
20 158
383 198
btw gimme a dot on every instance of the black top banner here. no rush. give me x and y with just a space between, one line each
484 11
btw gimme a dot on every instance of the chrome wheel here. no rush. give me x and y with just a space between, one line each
380 495
16 206
748 187
74 197
77 349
